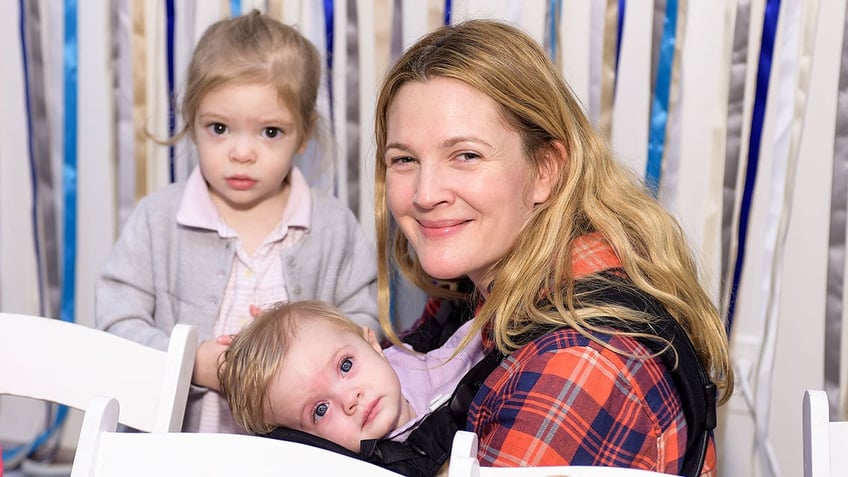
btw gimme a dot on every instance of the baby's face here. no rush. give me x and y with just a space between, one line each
337 384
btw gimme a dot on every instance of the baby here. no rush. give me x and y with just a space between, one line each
304 365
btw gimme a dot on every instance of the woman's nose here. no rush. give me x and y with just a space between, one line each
432 187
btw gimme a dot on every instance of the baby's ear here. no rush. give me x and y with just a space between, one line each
371 338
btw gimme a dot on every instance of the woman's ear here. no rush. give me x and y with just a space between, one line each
549 169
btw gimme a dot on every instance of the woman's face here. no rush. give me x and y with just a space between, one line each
457 181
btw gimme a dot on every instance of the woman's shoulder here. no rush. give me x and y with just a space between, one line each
564 338
565 353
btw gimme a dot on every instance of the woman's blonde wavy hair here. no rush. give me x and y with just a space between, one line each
592 193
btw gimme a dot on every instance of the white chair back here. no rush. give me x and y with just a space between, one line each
69 363
102 452
825 441
463 463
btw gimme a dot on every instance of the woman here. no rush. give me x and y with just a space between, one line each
493 174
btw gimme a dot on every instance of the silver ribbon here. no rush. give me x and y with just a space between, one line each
122 96
836 244
352 105
733 148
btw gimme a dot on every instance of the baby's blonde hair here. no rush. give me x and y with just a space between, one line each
259 350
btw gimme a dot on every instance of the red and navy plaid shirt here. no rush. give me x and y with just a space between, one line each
564 399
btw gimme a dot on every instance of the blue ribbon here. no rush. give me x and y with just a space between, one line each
69 172
169 53
772 13
447 12
554 12
235 8
659 107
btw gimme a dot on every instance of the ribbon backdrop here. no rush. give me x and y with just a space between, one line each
732 112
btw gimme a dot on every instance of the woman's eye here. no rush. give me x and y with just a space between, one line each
346 365
272 132
400 160
468 156
320 411
218 128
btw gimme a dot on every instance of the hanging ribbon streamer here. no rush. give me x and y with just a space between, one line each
172 114
275 9
396 32
44 193
733 142
622 11
712 247
352 107
69 173
552 17
139 74
670 170
186 16
447 12
791 93
763 74
659 106
328 32
235 8
43 196
608 67
69 182
122 93
834 305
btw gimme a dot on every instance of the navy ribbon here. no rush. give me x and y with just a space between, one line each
622 9
329 15
169 53
763 73
447 12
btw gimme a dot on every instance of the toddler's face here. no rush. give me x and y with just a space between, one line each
336 384
246 142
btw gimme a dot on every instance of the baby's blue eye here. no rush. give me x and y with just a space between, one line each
320 411
346 365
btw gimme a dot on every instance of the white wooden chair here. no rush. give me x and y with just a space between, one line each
69 363
103 452
463 463
825 441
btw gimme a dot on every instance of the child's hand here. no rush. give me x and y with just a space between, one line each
225 340
206 359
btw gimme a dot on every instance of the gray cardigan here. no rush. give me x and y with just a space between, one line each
160 273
